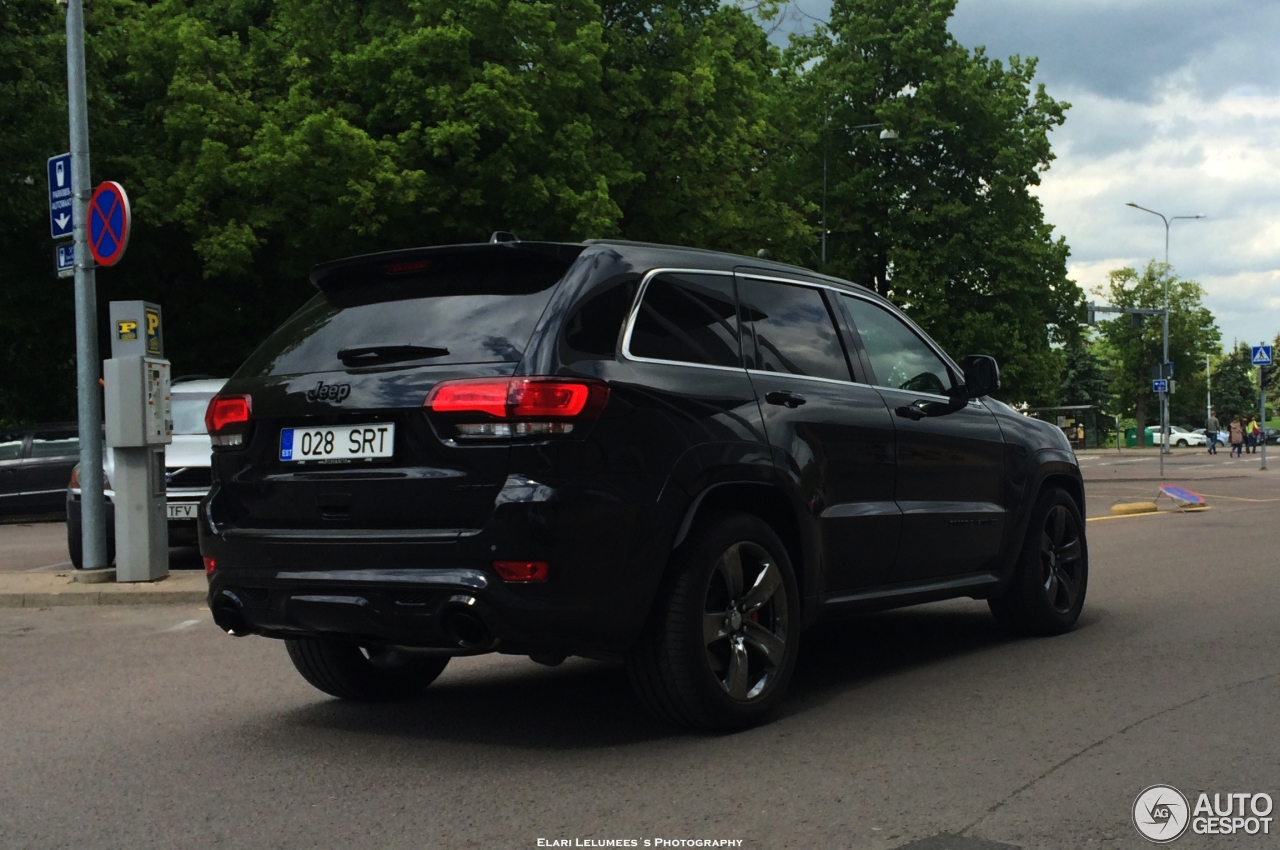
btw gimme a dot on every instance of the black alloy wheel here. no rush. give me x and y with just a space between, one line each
745 621
1061 562
721 643
1047 590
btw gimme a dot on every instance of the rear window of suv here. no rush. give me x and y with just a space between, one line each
470 307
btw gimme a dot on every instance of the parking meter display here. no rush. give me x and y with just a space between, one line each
345 442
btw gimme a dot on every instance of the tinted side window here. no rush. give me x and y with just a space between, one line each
592 329
688 318
55 443
11 445
794 331
899 358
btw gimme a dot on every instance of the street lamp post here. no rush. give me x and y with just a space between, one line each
1164 397
885 135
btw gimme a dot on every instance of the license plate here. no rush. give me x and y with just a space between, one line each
347 442
182 511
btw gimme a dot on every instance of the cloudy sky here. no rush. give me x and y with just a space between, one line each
1176 107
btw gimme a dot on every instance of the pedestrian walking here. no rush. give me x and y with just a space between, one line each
1251 432
1236 436
1211 428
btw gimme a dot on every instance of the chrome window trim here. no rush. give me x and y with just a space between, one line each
625 350
769 374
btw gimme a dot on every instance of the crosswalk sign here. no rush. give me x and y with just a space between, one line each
1261 355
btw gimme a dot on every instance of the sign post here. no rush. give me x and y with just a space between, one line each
1262 359
88 399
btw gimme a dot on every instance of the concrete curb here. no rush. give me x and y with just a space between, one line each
55 590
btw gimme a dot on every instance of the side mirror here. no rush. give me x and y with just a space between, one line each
981 375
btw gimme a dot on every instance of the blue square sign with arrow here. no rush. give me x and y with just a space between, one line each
1261 355
60 224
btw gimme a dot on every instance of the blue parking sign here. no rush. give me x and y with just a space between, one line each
60 224
65 260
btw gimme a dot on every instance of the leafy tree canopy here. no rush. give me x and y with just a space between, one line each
941 219
1192 334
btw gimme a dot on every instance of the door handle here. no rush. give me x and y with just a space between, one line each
784 398
915 412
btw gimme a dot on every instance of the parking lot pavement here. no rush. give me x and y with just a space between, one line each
146 727
36 545
1189 464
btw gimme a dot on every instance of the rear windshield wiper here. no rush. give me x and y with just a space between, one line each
364 355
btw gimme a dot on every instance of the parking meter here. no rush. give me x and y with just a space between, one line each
139 424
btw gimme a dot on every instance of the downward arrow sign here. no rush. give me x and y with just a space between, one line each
62 220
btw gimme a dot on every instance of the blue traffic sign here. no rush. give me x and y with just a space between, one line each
1261 355
64 259
60 223
109 223
1160 386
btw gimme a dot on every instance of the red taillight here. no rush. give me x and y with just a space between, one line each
209 566
224 410
542 399
521 570
520 398
478 396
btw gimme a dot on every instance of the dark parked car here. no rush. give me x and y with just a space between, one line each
35 463
675 457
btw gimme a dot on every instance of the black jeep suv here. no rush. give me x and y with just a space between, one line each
676 457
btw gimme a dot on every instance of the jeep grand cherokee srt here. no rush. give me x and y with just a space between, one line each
675 457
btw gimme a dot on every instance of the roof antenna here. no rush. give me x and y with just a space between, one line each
502 236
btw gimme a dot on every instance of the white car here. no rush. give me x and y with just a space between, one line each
186 470
1178 437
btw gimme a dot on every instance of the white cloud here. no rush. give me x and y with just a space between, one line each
1175 106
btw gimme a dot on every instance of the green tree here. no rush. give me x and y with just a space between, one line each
1192 333
942 219
1235 385
37 324
1086 377
257 138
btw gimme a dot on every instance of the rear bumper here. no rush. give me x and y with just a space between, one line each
606 559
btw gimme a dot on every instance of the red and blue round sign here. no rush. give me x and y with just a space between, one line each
109 223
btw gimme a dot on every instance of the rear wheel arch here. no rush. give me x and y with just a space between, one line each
765 501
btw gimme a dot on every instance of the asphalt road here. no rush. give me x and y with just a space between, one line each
146 727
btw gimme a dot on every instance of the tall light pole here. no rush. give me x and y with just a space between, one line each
885 135
1164 397
93 528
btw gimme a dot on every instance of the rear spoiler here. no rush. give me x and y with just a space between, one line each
369 268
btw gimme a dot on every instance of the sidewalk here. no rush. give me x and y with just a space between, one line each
48 590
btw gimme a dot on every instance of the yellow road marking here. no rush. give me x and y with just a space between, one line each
1149 513
1238 498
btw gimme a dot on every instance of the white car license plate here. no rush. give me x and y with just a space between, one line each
182 511
346 442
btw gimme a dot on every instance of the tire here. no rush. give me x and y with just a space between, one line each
341 668
721 643
75 540
1049 583
1182 444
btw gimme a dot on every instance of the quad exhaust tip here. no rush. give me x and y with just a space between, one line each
229 616
463 625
